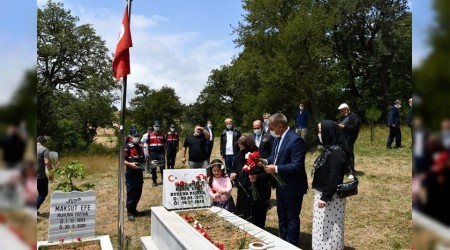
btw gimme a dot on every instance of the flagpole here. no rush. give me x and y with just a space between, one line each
122 151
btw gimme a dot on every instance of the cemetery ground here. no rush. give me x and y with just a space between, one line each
379 217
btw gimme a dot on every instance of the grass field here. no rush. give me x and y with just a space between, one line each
379 217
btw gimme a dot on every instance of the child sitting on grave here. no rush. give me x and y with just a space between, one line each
220 186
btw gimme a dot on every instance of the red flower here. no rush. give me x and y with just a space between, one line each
79 238
213 191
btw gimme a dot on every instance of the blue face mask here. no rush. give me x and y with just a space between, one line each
257 131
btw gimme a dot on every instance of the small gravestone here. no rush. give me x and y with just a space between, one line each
72 215
185 189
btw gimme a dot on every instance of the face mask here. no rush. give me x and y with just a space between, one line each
229 126
197 133
135 140
399 106
320 137
257 131
266 121
172 129
301 107
209 125
156 128
272 133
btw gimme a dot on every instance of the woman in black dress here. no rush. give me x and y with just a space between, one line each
247 207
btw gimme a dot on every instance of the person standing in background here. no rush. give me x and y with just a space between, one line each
228 145
210 142
196 143
394 126
157 150
266 122
349 124
410 120
301 121
42 156
172 145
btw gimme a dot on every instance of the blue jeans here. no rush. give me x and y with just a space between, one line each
229 163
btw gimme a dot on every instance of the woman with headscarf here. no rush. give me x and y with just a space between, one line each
328 172
254 211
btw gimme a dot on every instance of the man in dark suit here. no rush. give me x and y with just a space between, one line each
288 161
210 142
228 144
261 139
264 143
394 125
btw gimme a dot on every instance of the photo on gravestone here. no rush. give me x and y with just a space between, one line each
72 216
185 189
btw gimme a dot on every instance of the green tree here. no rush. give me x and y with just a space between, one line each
74 76
149 105
372 45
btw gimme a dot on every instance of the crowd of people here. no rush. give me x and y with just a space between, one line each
282 152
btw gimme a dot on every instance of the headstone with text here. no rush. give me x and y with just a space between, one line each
72 216
185 189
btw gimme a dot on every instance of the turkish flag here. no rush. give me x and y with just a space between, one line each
121 63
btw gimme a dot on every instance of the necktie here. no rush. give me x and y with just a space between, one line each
276 151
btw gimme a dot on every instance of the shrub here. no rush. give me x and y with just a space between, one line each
69 172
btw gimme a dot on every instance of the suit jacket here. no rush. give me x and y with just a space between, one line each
223 141
265 146
394 117
290 164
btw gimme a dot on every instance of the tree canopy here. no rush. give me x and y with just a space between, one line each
74 78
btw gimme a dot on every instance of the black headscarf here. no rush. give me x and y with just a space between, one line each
332 139
333 136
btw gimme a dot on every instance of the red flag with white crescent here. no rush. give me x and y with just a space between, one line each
121 63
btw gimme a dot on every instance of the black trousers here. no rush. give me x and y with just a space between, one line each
352 156
171 156
394 132
134 179
42 188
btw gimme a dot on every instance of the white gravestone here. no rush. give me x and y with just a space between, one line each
72 216
185 189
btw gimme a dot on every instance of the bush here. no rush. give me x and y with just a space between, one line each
69 172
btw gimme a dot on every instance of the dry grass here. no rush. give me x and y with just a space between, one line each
379 217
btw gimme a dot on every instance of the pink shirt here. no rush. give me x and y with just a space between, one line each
220 184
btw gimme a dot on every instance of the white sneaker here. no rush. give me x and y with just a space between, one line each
351 177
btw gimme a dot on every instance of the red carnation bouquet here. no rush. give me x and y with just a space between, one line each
248 168
252 159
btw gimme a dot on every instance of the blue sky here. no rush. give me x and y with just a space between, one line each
176 43
423 17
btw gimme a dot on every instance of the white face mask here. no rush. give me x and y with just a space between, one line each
257 131
320 137
197 133
172 129
272 133
135 140
229 126
266 121
209 125
399 106
156 128
300 107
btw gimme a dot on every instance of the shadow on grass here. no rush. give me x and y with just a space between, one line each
360 173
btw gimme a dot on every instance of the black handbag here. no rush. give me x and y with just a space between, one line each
347 189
